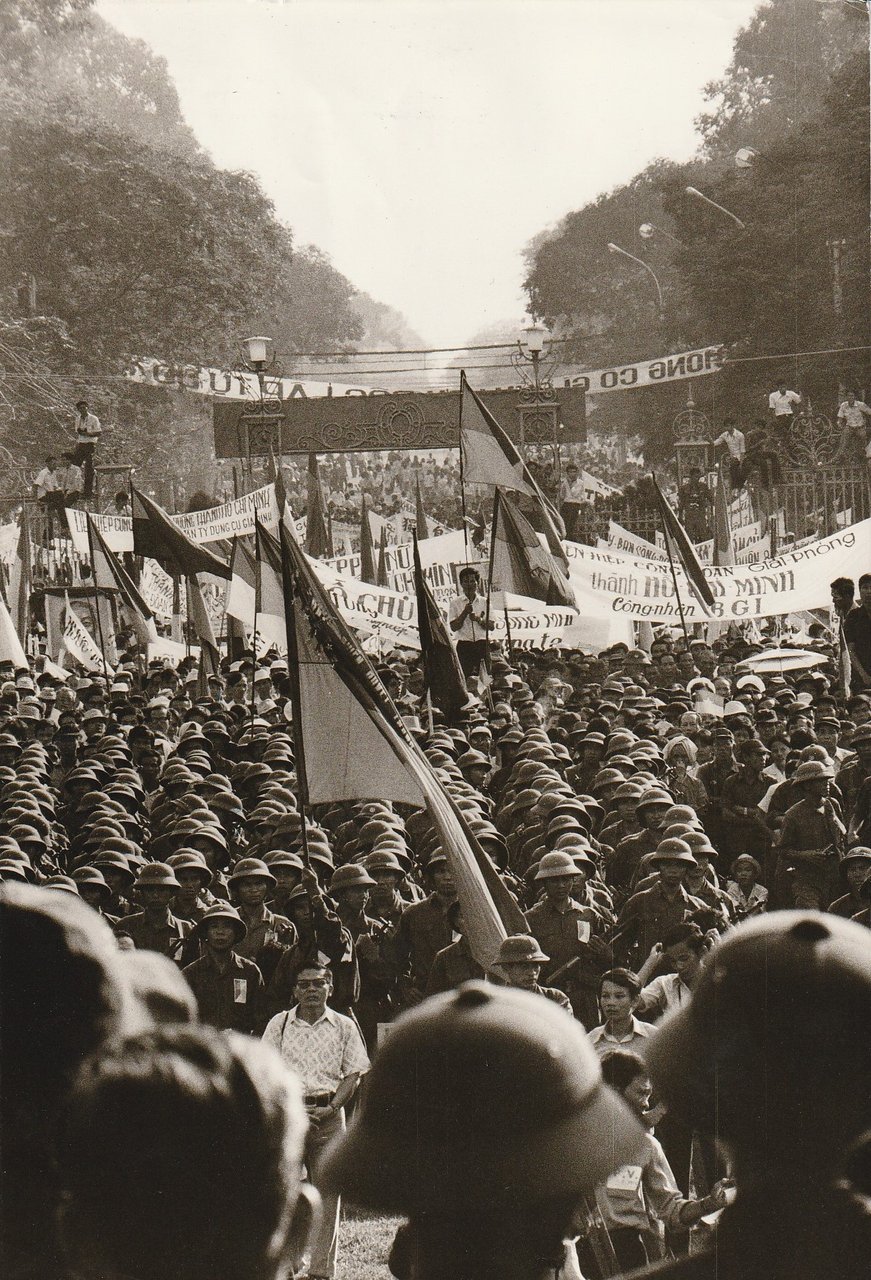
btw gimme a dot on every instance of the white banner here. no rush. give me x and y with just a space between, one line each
608 582
651 373
228 385
624 540
211 525
79 643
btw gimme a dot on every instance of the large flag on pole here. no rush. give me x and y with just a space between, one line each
519 563
368 571
683 548
155 535
269 588
444 677
318 534
355 746
109 574
490 457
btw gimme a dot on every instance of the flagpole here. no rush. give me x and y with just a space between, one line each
254 632
683 624
508 633
97 602
295 695
462 474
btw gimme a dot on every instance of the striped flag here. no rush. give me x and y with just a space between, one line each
519 563
109 574
678 539
351 743
489 457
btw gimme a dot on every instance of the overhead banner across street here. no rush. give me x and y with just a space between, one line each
653 373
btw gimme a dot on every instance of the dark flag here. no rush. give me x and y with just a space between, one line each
318 535
442 671
368 571
381 575
678 539
155 535
419 512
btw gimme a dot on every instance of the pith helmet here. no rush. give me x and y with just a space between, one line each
520 948
781 998
556 864
483 1086
222 911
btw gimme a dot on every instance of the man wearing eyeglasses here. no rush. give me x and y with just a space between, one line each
327 1052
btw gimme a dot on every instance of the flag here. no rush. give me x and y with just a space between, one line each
724 551
489 457
678 540
242 590
443 674
10 645
351 743
109 574
21 578
519 563
367 546
198 618
381 574
269 589
318 536
155 535
419 513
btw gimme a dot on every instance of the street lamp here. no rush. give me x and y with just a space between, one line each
698 195
648 231
259 352
539 404
615 248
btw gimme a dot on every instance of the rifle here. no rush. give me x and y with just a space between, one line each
596 1231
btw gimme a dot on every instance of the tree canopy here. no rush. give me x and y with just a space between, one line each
794 279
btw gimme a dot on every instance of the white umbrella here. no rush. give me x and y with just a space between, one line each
776 661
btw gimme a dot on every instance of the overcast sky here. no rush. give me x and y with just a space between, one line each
421 143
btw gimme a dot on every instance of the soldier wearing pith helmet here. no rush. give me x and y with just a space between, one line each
484 1123
772 1055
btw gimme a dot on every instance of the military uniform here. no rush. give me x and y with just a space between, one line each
559 934
168 935
230 999
453 966
423 931
647 917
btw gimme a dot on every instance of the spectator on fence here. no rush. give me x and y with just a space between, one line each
88 431
853 416
735 445
70 480
782 405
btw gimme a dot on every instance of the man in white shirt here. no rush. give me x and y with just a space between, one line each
327 1052
468 620
782 404
70 481
736 446
852 415
88 431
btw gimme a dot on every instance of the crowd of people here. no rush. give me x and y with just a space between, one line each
638 832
